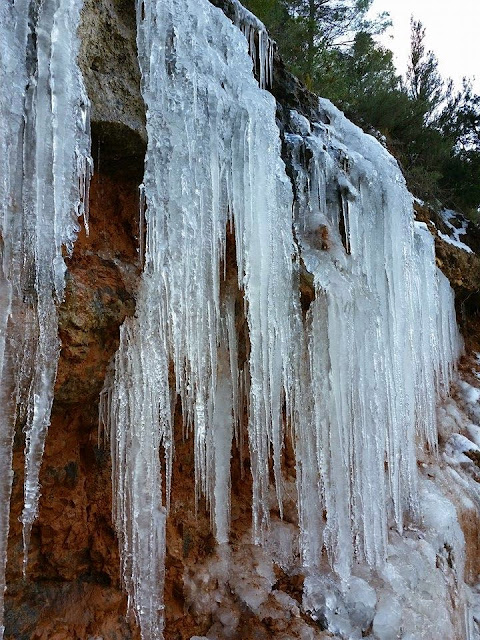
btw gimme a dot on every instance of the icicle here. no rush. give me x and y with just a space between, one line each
13 76
141 224
56 178
135 440
219 446
211 132
44 142
222 117
381 332
261 47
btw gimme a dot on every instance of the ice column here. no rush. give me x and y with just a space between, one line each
211 136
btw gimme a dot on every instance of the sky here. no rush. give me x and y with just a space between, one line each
452 33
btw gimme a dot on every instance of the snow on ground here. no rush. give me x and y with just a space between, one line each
447 215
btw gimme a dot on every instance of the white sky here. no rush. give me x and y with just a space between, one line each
452 33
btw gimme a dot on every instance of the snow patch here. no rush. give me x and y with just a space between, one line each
454 239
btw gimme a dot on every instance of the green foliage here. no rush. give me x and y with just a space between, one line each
433 131
424 83
461 118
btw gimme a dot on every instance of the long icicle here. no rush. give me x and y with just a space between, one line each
45 144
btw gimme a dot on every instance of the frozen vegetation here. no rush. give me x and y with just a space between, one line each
44 171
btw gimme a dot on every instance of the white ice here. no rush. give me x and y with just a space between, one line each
454 239
211 133
355 378
381 337
45 166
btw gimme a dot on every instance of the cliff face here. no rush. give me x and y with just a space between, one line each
73 589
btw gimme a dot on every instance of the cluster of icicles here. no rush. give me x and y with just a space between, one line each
353 379
45 166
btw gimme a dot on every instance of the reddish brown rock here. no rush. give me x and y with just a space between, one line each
72 588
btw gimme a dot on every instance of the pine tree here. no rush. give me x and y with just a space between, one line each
424 83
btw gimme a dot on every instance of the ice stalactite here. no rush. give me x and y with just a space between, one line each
381 336
260 45
347 374
12 75
57 167
46 164
211 134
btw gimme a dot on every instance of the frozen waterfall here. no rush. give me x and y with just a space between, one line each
350 377
381 340
44 172
355 377
202 103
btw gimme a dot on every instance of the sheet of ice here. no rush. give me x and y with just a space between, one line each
388 617
456 447
419 592
470 394
45 166
323 602
474 433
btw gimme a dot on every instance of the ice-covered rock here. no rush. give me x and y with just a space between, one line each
388 618
360 600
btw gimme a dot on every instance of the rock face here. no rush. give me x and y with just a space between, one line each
108 60
73 591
